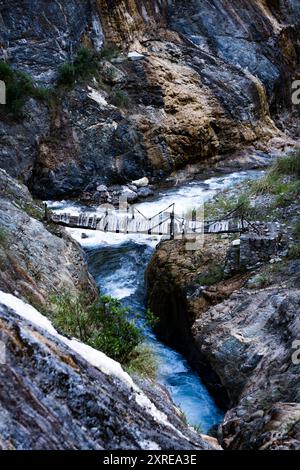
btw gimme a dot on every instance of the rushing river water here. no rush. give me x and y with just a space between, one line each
118 263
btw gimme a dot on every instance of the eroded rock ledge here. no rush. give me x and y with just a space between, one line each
36 260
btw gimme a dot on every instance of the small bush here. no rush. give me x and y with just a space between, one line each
104 325
19 86
3 236
212 275
6 72
274 183
66 74
289 165
85 63
84 66
143 363
262 280
109 51
269 184
42 93
120 99
151 319
17 90
33 210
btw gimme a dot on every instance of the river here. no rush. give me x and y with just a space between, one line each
118 263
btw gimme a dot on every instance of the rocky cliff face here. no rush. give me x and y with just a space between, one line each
65 395
36 263
249 342
239 339
213 80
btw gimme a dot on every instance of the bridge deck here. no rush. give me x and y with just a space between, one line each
164 223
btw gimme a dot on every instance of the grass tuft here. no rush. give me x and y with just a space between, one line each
120 99
212 275
143 362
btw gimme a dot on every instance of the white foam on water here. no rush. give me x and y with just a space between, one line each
96 238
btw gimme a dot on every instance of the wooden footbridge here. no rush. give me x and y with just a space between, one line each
165 222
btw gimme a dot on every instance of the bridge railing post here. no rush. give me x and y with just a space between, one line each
172 224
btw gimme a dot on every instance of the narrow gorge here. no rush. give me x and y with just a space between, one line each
112 340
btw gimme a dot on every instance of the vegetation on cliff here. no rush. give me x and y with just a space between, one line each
104 324
19 87
83 67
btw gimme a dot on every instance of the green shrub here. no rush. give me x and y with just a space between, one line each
289 165
269 184
66 74
85 63
262 280
104 325
34 210
19 86
3 235
151 319
42 93
120 99
17 90
109 51
6 72
84 66
274 183
212 275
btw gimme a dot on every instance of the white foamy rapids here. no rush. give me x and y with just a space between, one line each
96 238
117 289
186 198
191 195
96 358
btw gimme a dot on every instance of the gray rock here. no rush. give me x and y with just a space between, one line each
145 192
102 188
133 56
69 404
35 262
